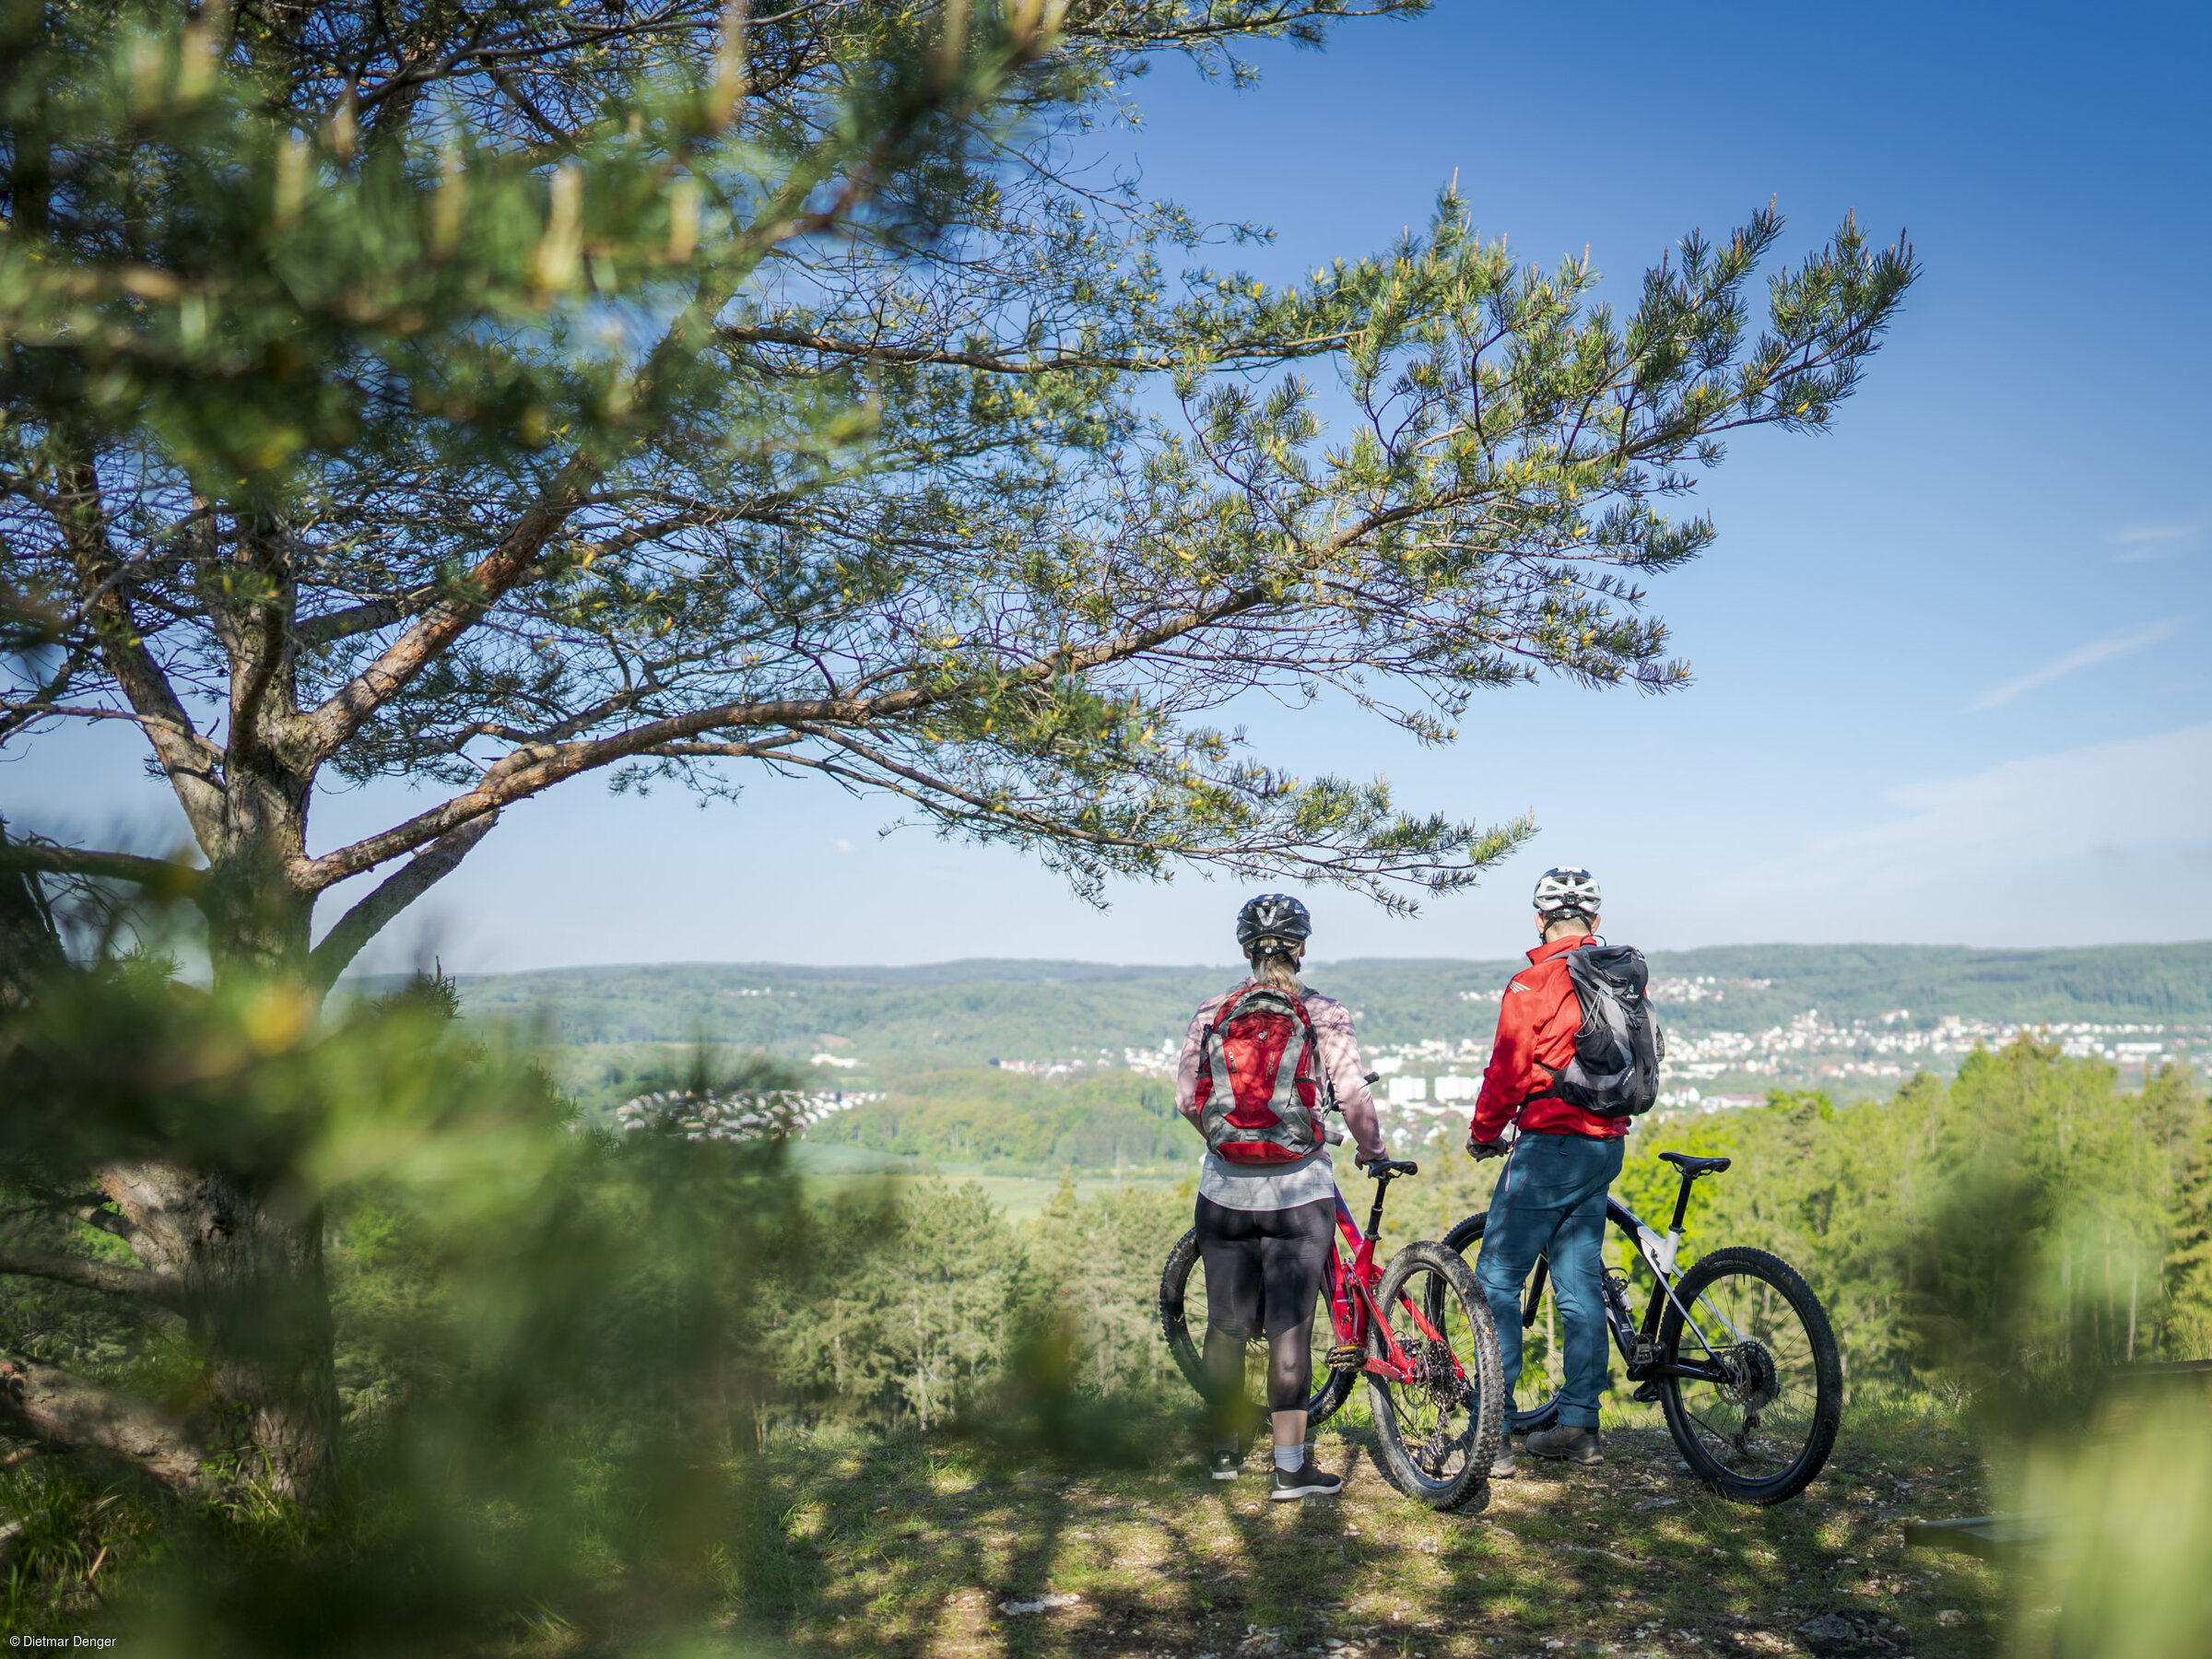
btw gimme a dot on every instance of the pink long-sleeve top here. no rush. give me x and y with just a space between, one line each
1339 1046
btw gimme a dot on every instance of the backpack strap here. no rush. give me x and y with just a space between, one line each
1550 1091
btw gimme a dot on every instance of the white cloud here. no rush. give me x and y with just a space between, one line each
2138 796
2106 650
2143 542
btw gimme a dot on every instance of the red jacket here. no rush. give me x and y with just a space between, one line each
1537 1024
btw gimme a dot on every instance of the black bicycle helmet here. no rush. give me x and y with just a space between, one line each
1272 918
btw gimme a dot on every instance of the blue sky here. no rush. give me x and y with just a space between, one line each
1951 671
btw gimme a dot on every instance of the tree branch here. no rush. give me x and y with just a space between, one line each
61 1406
365 618
261 654
25 1261
34 708
342 713
372 613
784 218
186 758
1053 362
94 1213
531 769
519 776
399 890
162 875
28 713
534 768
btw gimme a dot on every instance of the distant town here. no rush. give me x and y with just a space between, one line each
1719 1070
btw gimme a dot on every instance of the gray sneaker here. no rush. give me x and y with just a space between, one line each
1576 1445
1502 1466
1310 1481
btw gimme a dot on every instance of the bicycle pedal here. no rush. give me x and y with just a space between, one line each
1646 1396
1346 1357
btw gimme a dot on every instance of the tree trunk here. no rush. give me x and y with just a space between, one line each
250 1250
257 1309
244 1251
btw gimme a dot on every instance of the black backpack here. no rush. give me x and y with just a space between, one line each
1615 1071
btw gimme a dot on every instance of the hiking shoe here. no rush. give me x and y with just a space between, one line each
1576 1445
1311 1481
1227 1464
1502 1466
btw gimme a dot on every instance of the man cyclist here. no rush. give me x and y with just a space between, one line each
1267 1214
1550 1200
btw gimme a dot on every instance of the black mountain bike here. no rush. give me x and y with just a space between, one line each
1737 1351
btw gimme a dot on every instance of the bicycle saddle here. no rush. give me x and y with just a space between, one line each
1695 1165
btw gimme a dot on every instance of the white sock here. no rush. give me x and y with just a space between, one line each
1290 1459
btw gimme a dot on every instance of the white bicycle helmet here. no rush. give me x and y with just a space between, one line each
1561 893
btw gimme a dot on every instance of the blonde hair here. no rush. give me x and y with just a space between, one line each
1276 965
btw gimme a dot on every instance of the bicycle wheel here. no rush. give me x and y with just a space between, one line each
1182 1323
1546 1411
1441 1431
1761 1435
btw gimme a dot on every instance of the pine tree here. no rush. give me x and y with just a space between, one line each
393 400
488 400
2189 1259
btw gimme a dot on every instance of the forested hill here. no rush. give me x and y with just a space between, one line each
2150 983
963 1013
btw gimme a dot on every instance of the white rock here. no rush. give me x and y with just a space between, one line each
1042 1605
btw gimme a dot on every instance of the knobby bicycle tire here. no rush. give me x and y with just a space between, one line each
1446 1464
1331 1388
1822 1366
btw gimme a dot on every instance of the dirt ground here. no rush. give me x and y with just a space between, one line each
918 1551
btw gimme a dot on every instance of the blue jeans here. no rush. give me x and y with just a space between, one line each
1551 1202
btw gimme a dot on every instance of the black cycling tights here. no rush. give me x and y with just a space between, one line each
1263 1272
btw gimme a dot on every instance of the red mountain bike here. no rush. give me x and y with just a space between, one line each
1434 1380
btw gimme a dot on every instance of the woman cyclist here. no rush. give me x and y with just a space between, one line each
1261 1063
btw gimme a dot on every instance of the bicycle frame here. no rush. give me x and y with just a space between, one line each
1639 1343
1352 1297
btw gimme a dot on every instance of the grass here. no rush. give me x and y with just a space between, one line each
842 1543
76 1535
907 1547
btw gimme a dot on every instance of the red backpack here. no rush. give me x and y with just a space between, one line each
1261 1086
